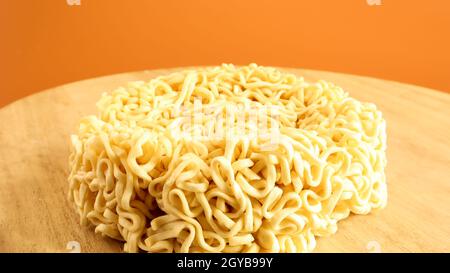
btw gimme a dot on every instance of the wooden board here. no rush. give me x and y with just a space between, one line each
35 215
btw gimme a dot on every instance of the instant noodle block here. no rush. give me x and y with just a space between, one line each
227 159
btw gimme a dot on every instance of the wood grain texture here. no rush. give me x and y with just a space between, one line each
36 216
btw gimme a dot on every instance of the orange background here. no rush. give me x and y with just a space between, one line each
44 43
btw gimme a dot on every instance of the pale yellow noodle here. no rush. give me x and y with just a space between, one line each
137 179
